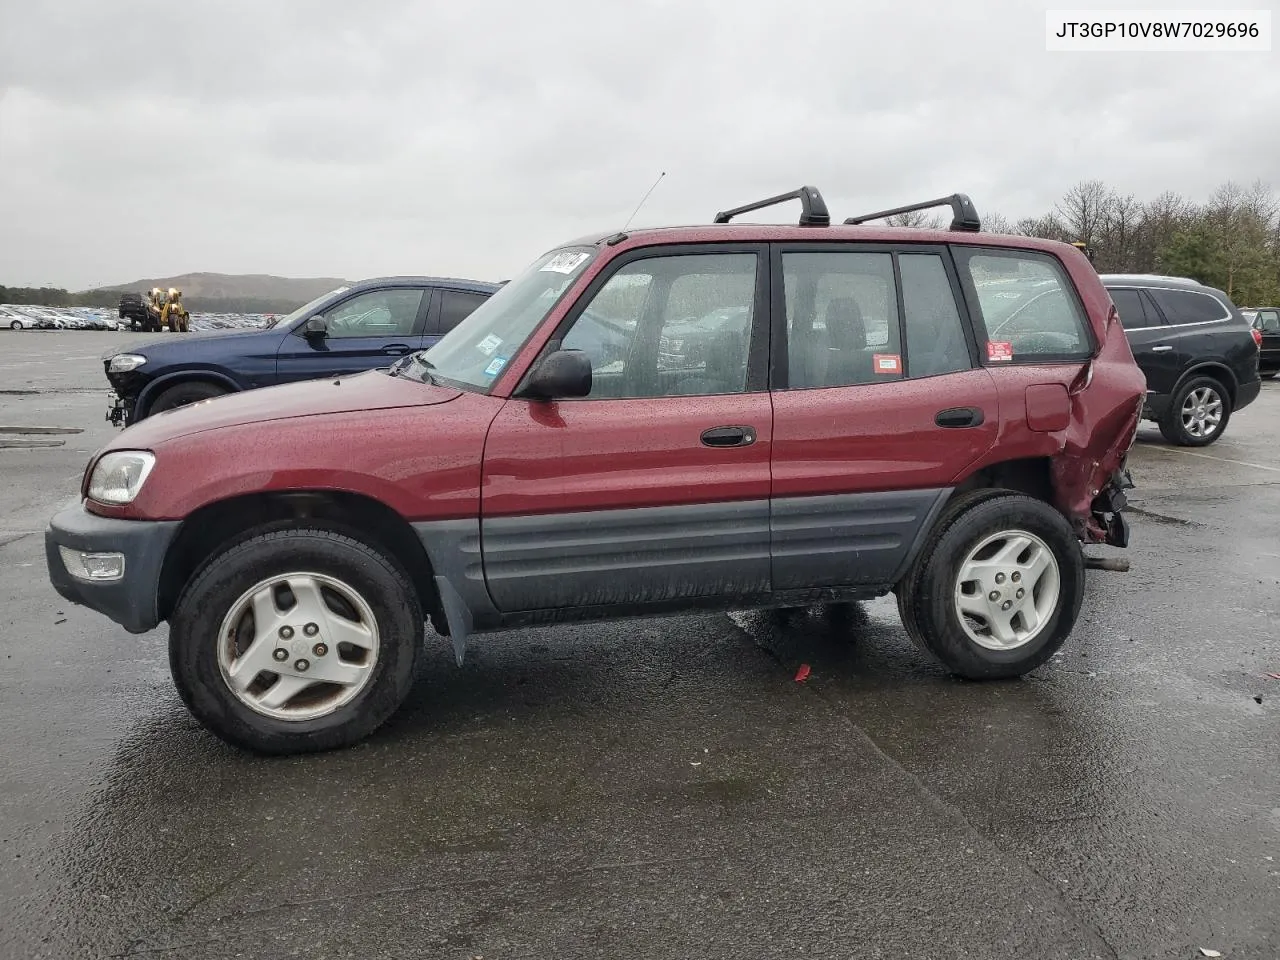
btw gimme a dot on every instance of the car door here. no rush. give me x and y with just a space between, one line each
369 329
448 309
879 404
655 487
1268 324
1149 338
1195 323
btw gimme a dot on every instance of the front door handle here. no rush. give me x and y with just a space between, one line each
729 437
959 417
396 349
1163 348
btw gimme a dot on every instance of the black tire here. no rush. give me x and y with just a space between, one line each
1267 374
16 325
196 624
926 598
1171 424
181 394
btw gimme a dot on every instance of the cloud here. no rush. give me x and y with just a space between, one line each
318 137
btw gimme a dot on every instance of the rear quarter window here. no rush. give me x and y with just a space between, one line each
1189 306
1025 307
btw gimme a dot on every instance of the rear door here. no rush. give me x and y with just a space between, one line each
448 309
655 487
879 404
369 329
1196 323
1268 323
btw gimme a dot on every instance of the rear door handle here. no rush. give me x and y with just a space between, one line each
959 417
396 349
1163 348
729 437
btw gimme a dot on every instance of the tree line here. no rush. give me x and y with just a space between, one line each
58 297
1231 241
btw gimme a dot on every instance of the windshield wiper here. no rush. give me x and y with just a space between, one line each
400 366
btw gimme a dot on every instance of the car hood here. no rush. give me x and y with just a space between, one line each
313 398
164 343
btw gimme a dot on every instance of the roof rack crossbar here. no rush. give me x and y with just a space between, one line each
964 214
813 207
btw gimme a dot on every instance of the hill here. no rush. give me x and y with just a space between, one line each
248 286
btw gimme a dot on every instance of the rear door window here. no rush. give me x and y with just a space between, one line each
1188 306
1027 308
1133 311
456 306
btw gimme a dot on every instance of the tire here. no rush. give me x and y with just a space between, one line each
16 325
181 394
1267 374
929 597
198 627
1187 414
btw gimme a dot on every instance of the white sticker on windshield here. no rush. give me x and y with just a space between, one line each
495 366
489 344
565 262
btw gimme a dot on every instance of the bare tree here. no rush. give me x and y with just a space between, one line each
997 223
920 219
1083 210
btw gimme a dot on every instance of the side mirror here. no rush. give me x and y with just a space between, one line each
316 327
565 373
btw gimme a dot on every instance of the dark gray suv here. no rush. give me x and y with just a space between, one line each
1196 349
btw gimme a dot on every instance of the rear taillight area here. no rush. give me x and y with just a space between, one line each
1257 336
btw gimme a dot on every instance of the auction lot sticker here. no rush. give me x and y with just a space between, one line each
886 363
999 350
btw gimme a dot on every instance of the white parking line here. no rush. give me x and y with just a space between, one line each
1209 456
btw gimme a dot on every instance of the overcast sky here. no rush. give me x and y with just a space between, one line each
335 138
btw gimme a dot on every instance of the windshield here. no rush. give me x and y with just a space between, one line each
474 352
303 310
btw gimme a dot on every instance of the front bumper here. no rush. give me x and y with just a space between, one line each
120 411
131 601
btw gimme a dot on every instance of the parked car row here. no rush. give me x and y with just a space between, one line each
726 416
25 317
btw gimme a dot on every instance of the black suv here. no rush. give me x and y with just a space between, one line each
1196 348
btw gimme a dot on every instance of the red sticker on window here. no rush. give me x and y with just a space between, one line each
884 363
999 350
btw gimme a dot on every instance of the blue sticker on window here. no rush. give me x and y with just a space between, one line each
495 366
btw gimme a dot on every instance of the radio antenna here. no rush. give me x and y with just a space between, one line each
642 200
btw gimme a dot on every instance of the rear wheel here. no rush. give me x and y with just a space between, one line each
997 588
296 640
1198 413
182 394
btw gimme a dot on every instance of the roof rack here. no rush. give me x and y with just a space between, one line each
813 208
964 214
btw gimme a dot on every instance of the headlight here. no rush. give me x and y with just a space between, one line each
119 475
124 362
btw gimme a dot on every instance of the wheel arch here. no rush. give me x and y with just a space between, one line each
157 386
215 526
1210 368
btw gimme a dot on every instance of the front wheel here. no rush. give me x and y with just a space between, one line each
1198 414
997 589
15 325
182 394
296 640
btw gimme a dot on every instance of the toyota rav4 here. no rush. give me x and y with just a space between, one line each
848 425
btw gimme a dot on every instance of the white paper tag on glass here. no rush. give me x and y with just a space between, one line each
565 262
489 344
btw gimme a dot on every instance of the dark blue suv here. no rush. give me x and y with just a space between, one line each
366 325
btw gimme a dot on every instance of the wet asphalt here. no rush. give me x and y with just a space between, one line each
665 788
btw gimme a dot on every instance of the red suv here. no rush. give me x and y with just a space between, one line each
721 416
